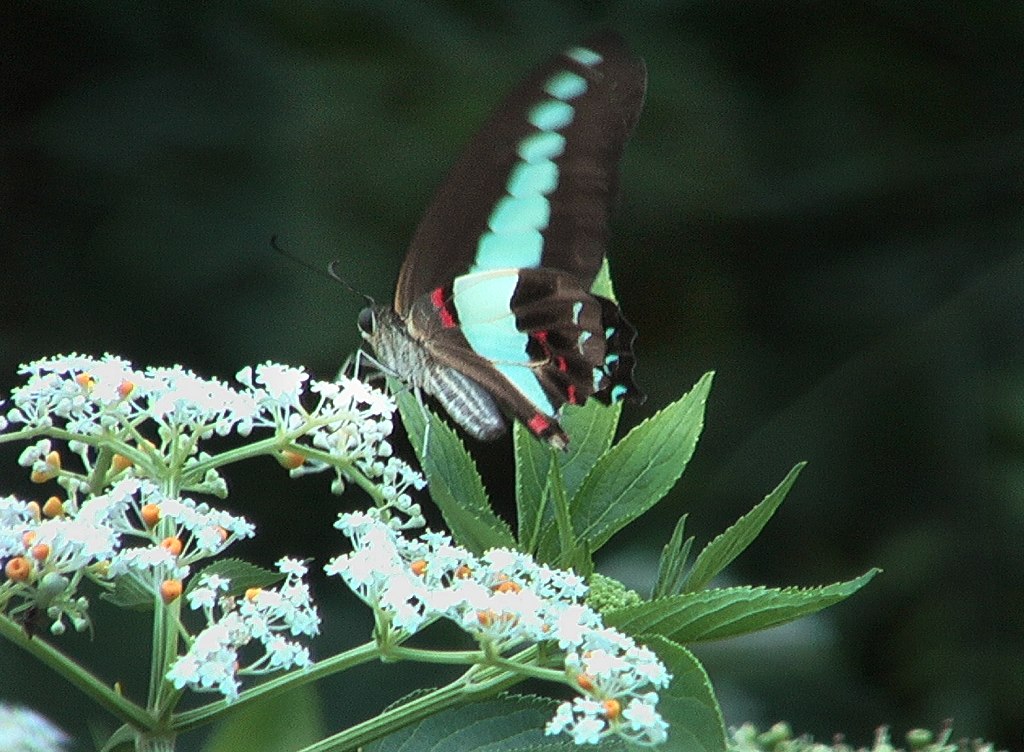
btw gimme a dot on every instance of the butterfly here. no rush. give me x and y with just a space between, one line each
493 313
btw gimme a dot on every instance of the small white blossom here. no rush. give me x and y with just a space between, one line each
506 600
266 617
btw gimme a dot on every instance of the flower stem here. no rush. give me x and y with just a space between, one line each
111 700
486 682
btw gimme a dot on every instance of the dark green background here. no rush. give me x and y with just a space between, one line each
822 202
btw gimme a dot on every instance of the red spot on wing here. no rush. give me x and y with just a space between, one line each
562 364
570 392
437 297
538 424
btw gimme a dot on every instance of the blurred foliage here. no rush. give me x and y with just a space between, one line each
823 203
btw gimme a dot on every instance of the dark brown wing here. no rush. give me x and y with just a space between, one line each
447 242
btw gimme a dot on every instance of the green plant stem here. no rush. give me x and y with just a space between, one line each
475 683
78 675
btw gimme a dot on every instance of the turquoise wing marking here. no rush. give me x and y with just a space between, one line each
484 304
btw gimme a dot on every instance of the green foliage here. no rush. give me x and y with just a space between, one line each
689 704
720 552
569 505
635 474
241 574
779 738
507 723
730 612
672 564
455 484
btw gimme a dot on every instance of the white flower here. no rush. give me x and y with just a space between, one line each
506 600
266 617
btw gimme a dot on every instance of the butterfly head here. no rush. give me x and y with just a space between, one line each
368 323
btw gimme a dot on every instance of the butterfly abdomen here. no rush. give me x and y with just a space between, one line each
405 358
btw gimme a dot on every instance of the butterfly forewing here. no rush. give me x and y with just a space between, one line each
535 184
496 283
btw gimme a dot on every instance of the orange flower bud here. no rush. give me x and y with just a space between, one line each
41 551
507 587
612 709
173 544
28 538
18 569
150 514
170 590
125 388
463 572
253 593
418 567
586 682
50 471
85 381
53 507
120 462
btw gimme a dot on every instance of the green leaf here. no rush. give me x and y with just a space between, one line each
636 473
720 552
688 704
455 484
727 612
672 564
131 593
241 574
282 723
591 428
563 522
509 723
122 740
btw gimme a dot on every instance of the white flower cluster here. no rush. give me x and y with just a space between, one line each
24 730
133 531
505 599
267 617
154 419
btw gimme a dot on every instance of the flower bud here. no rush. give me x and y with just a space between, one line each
290 460
173 544
150 514
53 507
18 569
612 709
170 590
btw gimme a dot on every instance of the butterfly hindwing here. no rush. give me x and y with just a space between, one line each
533 338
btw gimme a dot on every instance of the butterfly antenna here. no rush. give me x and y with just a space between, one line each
330 271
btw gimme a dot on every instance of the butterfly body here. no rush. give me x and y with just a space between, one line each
493 311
